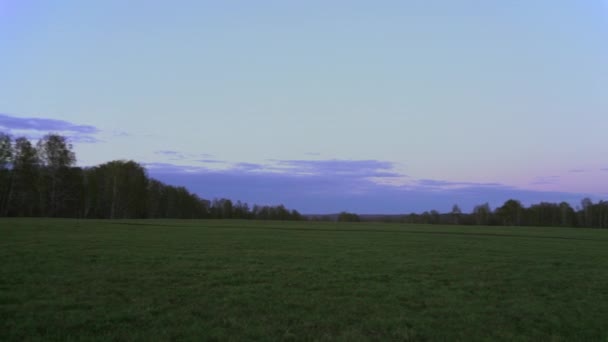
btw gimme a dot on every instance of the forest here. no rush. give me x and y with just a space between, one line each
42 180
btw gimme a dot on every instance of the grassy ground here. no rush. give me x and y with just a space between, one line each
235 280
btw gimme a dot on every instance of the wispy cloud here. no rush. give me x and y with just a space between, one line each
83 139
212 161
444 185
545 180
249 167
577 170
168 153
184 157
120 134
36 128
342 168
172 155
168 168
337 167
604 169
43 124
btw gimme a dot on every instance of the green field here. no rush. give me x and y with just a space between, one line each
238 280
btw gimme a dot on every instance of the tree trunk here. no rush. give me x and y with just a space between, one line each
114 193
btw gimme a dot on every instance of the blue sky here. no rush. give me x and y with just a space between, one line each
384 106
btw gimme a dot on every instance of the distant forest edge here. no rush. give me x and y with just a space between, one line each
41 180
511 213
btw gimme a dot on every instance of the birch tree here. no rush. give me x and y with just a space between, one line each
56 157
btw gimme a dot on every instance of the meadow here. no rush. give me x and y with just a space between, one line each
230 280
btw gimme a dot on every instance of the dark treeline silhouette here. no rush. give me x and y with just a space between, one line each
512 213
42 180
348 217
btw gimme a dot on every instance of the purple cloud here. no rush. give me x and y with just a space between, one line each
328 190
577 170
36 128
604 169
43 124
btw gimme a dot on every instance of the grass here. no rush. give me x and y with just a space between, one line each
236 280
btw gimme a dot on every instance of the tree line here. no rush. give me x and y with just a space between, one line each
511 213
42 180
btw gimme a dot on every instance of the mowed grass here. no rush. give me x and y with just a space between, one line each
239 280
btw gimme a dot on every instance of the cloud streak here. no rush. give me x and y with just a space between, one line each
545 180
171 155
342 168
212 161
36 128
443 185
168 153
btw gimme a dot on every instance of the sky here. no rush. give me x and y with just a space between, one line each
324 106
